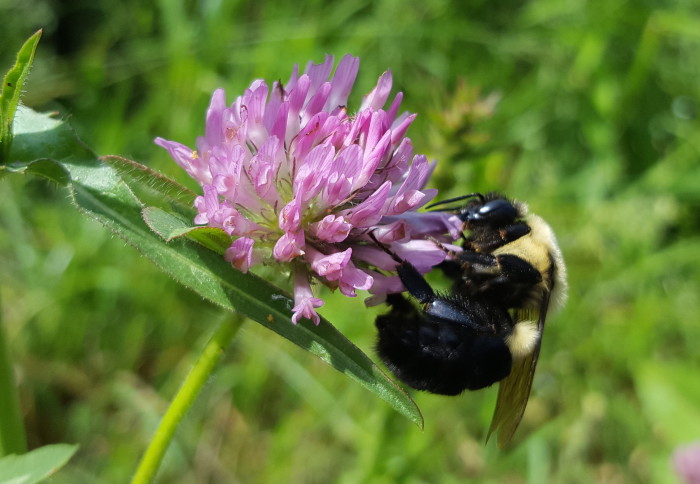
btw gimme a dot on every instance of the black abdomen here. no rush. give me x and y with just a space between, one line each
440 357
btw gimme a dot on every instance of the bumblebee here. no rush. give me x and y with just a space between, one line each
509 276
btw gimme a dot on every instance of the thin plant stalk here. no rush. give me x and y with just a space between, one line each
185 397
13 439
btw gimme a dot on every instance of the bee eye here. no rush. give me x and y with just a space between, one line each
494 212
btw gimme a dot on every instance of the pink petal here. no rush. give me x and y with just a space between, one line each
318 73
399 130
228 179
236 224
376 130
336 190
398 231
423 254
211 211
330 266
368 212
293 79
214 133
378 96
313 172
396 166
408 196
382 286
417 174
408 200
240 254
290 215
354 278
202 216
434 224
374 256
340 134
289 246
343 80
279 128
372 160
305 303
254 100
296 99
331 229
394 108
188 160
262 169
344 169
308 137
357 127
316 103
274 103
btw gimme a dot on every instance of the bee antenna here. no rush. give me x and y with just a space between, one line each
457 199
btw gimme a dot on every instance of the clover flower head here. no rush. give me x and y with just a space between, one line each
296 179
686 461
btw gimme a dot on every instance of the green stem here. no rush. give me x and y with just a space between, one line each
13 439
184 399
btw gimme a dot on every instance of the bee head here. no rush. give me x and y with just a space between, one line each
492 210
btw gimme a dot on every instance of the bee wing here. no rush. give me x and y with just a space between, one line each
514 390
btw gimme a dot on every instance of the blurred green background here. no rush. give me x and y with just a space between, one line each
588 110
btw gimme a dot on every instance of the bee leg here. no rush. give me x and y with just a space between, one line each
505 277
439 244
514 232
414 282
503 267
517 271
452 267
435 307
469 265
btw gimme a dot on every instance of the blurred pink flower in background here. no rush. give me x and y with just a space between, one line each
296 180
686 461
